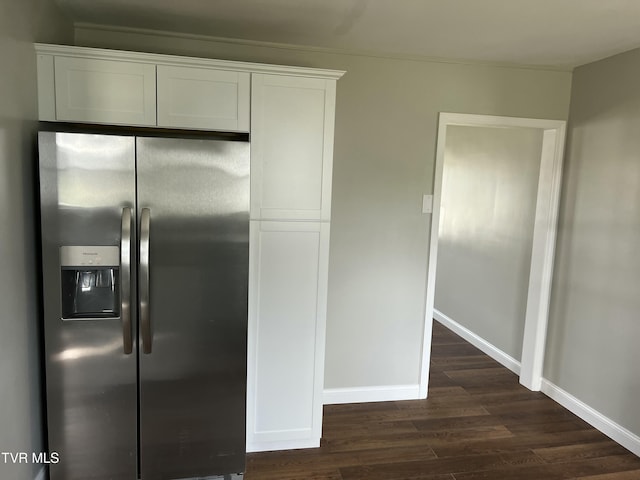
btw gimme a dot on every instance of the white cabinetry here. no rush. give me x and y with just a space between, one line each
77 84
203 98
104 91
291 125
291 147
292 120
286 334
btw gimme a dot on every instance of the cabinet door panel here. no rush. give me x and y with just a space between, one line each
203 98
292 147
286 334
104 91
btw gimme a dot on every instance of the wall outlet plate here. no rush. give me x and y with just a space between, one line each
427 203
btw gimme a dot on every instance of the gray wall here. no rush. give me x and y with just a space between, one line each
592 345
489 190
386 121
21 23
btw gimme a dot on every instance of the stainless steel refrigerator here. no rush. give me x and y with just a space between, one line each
145 278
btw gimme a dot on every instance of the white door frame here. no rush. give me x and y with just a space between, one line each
544 239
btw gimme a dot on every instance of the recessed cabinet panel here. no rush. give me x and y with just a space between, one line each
104 91
292 141
203 98
286 334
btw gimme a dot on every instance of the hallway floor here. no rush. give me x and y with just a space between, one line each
478 423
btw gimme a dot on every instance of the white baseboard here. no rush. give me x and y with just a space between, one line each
42 474
478 342
616 432
385 393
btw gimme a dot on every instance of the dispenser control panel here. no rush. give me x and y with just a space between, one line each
89 256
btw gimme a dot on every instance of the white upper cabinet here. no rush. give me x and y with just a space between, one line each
292 121
104 91
94 85
203 98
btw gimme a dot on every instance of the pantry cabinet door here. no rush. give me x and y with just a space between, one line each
292 122
287 320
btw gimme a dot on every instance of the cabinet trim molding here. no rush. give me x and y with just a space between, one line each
173 60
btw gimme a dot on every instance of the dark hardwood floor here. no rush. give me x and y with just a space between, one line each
478 423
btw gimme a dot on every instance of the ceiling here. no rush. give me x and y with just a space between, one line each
558 33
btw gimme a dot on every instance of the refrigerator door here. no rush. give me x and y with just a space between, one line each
193 205
87 185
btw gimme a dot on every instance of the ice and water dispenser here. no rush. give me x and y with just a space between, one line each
90 282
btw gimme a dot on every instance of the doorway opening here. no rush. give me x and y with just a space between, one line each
542 245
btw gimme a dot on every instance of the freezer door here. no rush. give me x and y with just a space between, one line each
87 186
193 206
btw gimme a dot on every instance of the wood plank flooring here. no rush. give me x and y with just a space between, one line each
478 423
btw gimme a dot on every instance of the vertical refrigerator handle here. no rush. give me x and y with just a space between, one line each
125 280
145 316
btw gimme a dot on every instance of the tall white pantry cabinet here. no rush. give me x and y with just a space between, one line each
289 113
